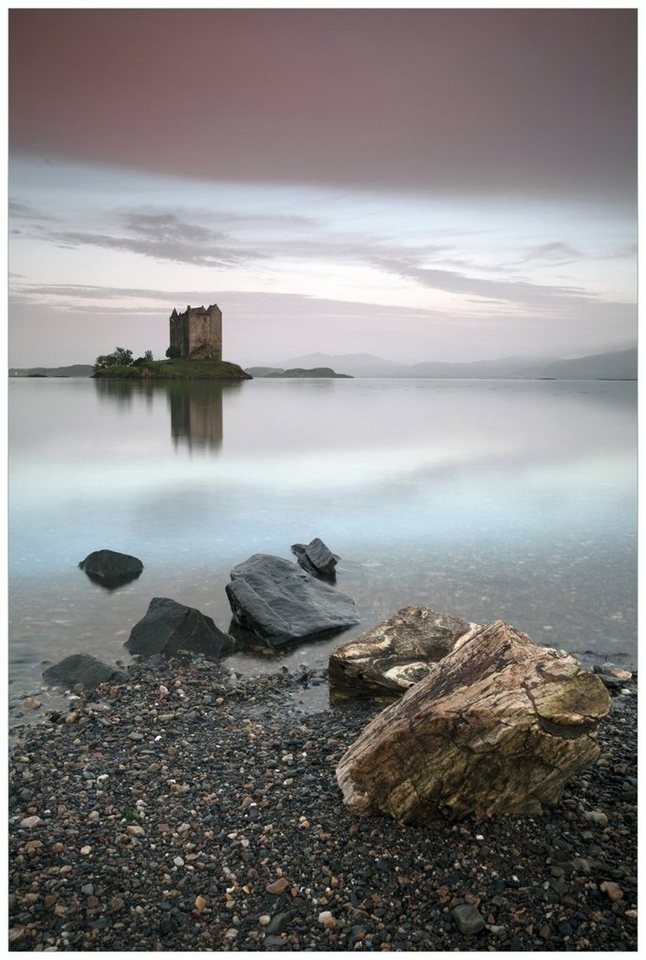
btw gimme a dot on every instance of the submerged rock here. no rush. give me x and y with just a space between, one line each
111 569
497 727
279 602
169 626
316 558
84 669
393 655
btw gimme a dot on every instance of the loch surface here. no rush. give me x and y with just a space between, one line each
486 499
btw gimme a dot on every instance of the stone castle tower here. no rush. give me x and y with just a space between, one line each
197 333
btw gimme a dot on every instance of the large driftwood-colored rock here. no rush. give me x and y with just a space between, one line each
497 727
393 655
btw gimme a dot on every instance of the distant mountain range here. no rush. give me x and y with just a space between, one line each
615 365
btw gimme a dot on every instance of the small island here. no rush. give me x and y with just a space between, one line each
173 369
195 353
324 372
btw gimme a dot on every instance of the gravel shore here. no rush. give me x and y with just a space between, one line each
192 810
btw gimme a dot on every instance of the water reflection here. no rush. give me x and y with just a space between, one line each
493 499
196 418
196 415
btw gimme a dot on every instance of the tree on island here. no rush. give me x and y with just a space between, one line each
121 358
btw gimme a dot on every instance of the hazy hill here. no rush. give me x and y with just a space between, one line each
76 370
355 364
614 365
620 365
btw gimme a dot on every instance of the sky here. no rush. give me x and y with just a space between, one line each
421 184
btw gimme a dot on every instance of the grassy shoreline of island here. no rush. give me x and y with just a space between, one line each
174 370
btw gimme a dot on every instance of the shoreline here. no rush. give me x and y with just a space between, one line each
165 818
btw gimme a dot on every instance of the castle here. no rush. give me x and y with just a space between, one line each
197 333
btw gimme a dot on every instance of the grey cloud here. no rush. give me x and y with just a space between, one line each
519 292
557 251
167 244
24 211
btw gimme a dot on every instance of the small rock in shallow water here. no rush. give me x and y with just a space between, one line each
30 703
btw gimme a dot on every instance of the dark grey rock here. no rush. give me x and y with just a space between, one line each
111 569
169 626
82 668
279 602
468 920
316 558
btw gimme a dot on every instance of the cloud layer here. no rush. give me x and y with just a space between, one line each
508 101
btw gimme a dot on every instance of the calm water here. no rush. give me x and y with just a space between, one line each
486 499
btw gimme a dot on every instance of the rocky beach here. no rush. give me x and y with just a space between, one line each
187 808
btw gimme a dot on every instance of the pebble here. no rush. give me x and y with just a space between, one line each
31 822
468 919
211 793
30 703
612 890
596 816
135 736
178 861
278 886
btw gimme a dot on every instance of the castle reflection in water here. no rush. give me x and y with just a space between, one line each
196 415
195 407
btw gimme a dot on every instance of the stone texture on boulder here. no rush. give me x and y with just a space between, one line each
316 558
393 655
111 569
497 727
169 626
279 602
84 669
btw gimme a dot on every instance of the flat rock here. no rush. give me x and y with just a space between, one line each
497 727
169 626
111 569
393 655
84 669
316 558
279 602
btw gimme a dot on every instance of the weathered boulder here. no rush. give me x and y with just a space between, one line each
169 626
497 727
279 602
316 558
84 669
393 655
111 569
